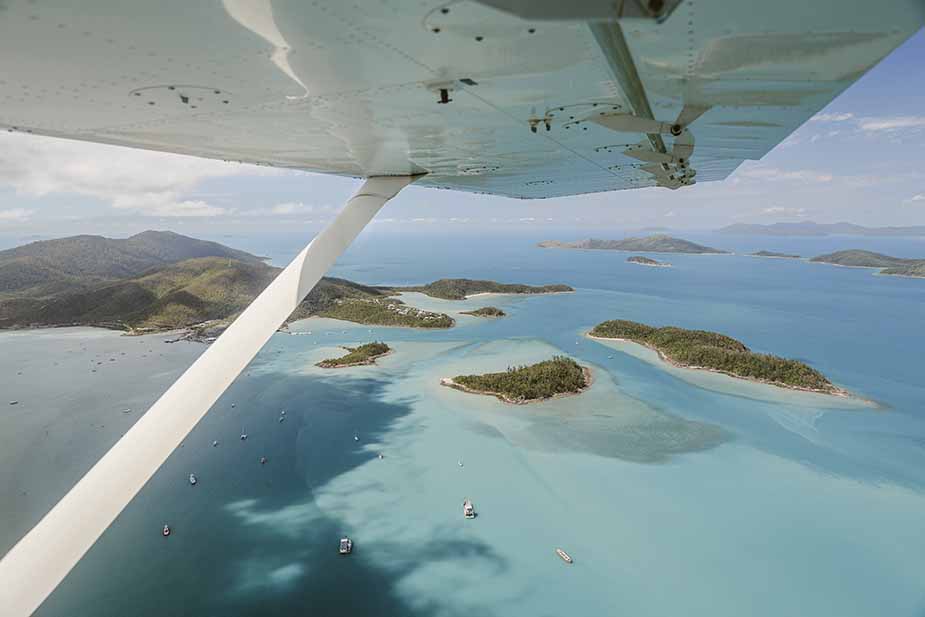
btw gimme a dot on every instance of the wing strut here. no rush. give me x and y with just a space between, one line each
32 569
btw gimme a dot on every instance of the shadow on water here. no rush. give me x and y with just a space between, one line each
249 538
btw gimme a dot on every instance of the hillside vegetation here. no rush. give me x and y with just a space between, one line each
486 311
50 267
718 352
650 244
356 356
522 384
458 289
868 259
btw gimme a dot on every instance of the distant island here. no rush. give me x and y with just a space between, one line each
160 281
700 349
557 377
485 311
357 356
648 244
460 289
809 228
646 261
773 254
856 258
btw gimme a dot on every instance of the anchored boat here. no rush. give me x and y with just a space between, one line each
565 556
192 478
468 509
165 531
346 546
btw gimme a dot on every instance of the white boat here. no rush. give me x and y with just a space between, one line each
166 531
380 456
243 435
263 460
346 546
214 443
468 509
356 438
565 556
281 418
192 478
459 463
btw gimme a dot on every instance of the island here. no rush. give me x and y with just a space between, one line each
857 258
701 349
647 261
659 243
460 289
485 311
775 255
559 376
810 228
357 356
159 281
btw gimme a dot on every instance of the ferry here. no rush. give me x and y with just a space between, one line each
565 556
192 479
166 531
346 546
468 509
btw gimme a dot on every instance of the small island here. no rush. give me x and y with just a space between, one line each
384 312
485 311
700 349
357 356
518 385
658 243
856 258
460 289
773 254
646 261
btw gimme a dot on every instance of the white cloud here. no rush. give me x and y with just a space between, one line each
774 175
891 123
782 210
152 183
527 219
15 215
291 207
836 117
915 198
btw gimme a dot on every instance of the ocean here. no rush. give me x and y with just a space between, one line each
675 491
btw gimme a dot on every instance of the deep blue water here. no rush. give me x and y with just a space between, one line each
674 496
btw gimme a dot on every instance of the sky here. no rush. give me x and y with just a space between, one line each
861 159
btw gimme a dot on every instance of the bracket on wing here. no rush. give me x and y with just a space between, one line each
670 169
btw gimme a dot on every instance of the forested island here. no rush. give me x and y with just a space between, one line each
460 289
856 258
701 349
159 281
773 254
559 376
485 311
646 261
357 356
659 243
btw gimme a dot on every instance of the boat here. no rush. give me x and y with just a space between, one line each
214 443
232 405
166 531
243 435
459 463
356 438
565 556
380 456
192 479
281 418
346 546
263 460
468 509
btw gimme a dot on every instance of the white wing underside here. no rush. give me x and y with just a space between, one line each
352 88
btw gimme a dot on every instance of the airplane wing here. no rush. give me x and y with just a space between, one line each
520 98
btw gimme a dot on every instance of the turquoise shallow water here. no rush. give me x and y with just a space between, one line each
675 493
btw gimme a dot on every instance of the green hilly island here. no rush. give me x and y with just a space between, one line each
159 281
357 356
702 349
857 258
659 243
558 376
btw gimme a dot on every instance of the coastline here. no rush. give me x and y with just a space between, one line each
589 381
511 293
839 392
